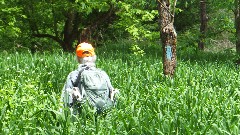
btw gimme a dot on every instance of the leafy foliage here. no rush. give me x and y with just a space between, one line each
52 19
8 23
136 20
187 15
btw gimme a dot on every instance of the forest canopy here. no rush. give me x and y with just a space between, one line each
175 63
62 24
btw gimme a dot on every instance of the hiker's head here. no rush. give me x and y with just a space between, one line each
85 53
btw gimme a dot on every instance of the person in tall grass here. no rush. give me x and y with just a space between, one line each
87 85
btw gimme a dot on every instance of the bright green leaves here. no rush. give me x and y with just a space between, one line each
8 22
133 19
138 21
137 50
89 5
10 25
149 16
134 31
137 18
223 4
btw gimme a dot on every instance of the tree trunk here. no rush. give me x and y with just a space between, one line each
102 21
168 37
237 25
70 30
72 34
85 35
203 27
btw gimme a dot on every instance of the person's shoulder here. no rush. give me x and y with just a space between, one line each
99 69
76 71
73 73
81 66
102 71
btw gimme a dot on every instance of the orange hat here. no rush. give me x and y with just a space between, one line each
85 50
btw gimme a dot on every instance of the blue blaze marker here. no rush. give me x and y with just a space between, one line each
169 52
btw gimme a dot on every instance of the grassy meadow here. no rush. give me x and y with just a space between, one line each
203 97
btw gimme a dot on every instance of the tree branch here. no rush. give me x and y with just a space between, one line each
55 38
174 7
166 8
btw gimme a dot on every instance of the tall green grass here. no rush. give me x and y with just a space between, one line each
203 97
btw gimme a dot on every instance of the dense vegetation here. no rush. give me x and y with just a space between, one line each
47 25
203 98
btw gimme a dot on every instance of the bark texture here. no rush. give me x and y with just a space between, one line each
237 25
203 27
168 37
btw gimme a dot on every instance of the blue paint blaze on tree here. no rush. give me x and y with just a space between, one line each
169 52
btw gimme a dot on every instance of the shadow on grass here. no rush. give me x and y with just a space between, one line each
121 50
207 57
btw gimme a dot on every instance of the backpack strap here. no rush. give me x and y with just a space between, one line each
79 75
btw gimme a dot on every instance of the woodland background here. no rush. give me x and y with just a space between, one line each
37 43
62 24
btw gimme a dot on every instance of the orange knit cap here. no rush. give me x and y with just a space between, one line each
85 50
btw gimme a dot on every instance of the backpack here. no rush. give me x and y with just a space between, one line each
94 84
